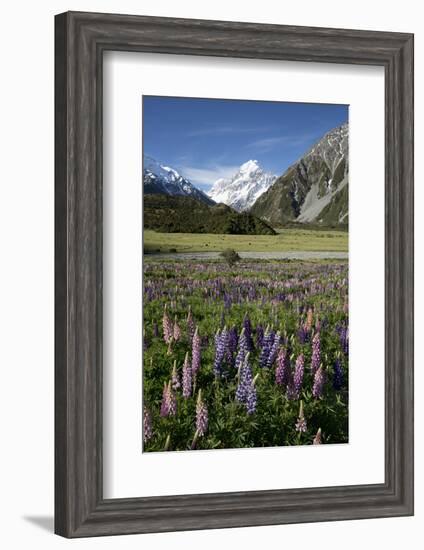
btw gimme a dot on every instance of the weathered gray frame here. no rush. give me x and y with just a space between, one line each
81 39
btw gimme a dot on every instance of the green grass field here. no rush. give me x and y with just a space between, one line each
288 240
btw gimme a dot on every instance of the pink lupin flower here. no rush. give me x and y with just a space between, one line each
301 422
319 381
175 377
147 425
187 377
316 353
176 331
201 416
317 439
168 331
195 354
169 401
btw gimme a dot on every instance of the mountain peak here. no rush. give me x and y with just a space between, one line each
243 188
161 179
249 166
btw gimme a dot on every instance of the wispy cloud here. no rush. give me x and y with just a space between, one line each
217 130
269 144
205 177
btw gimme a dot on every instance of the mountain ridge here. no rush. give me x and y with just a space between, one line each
160 178
314 189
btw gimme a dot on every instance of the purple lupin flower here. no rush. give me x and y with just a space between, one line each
155 330
282 368
147 425
274 350
266 347
242 351
221 345
176 331
295 384
175 379
232 340
195 353
245 380
201 416
252 398
247 325
187 377
337 375
259 336
301 425
168 331
316 353
344 340
319 381
246 389
317 439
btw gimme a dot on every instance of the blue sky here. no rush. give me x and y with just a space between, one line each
205 139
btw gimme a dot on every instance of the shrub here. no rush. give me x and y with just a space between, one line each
230 256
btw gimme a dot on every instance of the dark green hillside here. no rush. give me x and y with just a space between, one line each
177 214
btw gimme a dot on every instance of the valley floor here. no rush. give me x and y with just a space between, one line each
288 240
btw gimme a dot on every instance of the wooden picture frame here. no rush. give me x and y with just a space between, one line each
81 39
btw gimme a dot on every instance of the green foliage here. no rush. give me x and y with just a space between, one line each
230 256
273 423
177 214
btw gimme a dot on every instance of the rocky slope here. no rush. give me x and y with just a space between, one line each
314 189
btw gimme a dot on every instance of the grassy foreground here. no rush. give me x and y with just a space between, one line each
289 240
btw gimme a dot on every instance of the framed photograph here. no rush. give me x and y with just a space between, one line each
234 274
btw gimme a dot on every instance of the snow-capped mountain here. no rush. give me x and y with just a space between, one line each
314 189
159 178
244 188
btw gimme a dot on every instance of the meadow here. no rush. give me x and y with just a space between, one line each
287 240
250 355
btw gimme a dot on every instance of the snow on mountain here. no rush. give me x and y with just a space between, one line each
314 189
159 178
243 189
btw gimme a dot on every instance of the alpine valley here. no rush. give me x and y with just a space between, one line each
311 192
172 204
